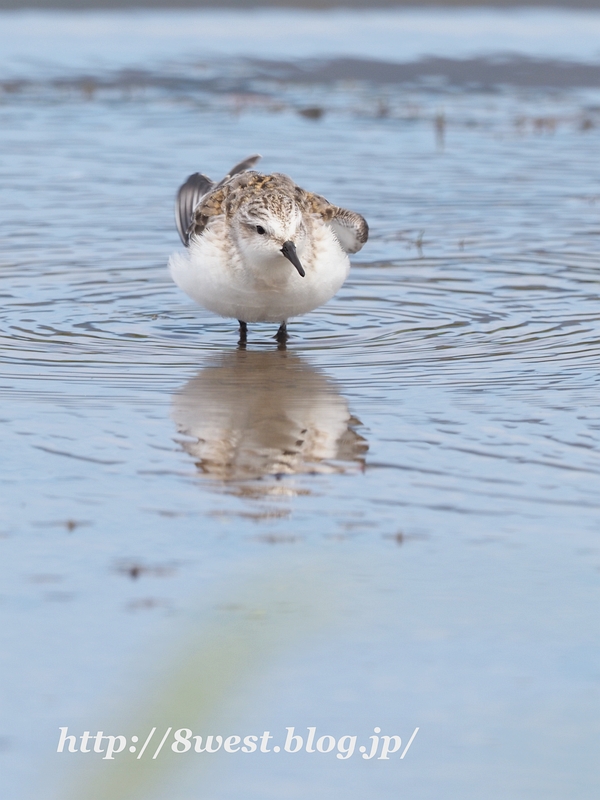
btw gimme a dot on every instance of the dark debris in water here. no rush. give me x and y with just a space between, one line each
137 569
70 524
312 112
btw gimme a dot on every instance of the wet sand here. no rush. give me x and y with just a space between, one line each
471 73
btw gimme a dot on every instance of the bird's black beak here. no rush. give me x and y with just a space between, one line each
289 251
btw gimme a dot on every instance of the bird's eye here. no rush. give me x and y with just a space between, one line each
260 229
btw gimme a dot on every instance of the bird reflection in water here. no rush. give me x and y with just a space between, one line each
250 415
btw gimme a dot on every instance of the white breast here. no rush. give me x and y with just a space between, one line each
211 271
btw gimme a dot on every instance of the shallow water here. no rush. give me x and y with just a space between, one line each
425 455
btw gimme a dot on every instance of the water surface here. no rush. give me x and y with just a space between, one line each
426 450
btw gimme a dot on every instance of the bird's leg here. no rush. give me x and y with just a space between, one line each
282 334
243 332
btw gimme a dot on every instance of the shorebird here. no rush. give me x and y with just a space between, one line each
259 248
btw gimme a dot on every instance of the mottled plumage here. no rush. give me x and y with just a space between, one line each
260 248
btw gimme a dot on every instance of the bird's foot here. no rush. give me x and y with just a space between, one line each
243 334
282 334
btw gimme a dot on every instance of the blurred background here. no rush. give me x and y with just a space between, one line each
315 4
393 523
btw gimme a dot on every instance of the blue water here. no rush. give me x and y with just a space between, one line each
393 523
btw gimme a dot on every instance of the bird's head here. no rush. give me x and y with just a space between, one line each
269 229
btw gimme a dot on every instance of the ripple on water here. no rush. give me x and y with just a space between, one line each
513 324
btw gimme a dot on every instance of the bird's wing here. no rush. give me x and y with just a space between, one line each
247 163
188 197
350 229
194 191
211 205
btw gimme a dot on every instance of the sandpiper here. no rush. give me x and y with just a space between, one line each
259 248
